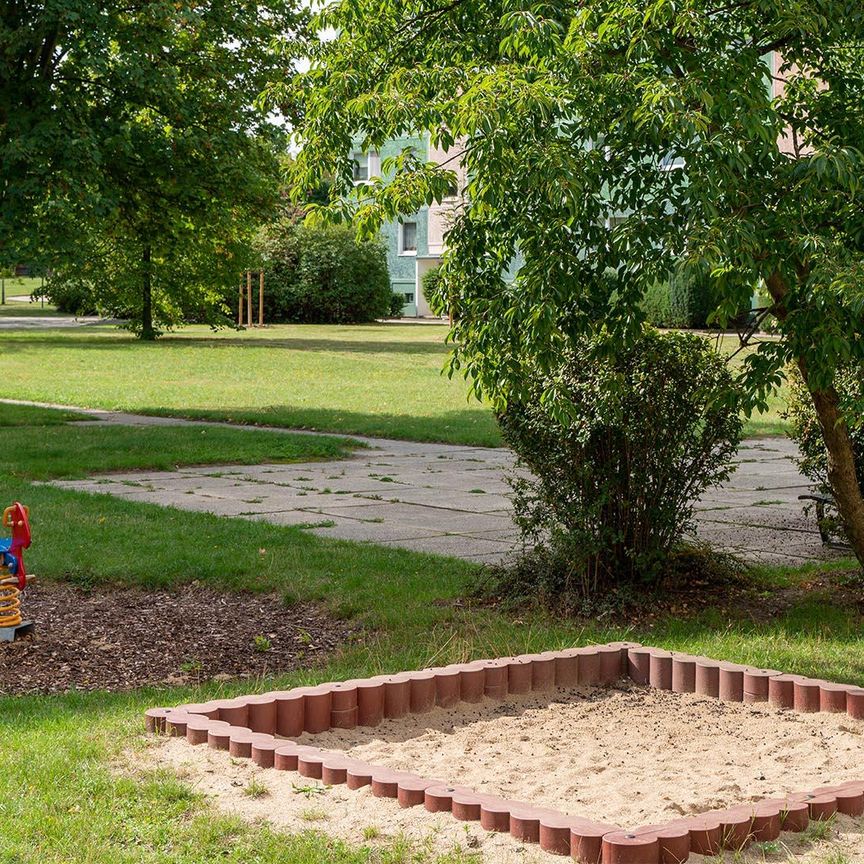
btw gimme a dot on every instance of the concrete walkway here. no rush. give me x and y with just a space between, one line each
48 322
453 500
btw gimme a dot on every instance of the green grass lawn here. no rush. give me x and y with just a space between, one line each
46 452
24 286
70 790
382 379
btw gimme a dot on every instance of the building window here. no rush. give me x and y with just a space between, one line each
366 165
408 238
361 167
409 297
671 162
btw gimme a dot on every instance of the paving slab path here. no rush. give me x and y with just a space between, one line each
453 500
49 322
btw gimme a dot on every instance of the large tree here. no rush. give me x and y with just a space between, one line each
132 152
608 144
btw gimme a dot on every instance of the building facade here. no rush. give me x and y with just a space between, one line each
415 243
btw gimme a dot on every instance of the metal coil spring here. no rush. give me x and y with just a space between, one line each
10 604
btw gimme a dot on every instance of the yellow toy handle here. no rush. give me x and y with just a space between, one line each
8 520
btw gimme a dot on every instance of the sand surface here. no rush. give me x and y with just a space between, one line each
628 756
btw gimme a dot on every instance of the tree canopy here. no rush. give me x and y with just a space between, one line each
132 150
609 144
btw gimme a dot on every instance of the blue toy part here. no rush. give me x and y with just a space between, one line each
10 562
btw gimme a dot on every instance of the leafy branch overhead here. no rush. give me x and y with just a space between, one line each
608 145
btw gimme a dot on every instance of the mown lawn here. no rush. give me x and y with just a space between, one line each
70 790
382 379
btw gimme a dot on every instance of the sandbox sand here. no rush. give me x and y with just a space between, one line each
627 756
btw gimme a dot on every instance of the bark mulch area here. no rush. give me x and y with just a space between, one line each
123 638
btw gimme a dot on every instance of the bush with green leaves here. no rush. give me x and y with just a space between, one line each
614 476
324 275
71 295
805 431
430 285
690 301
397 305
657 305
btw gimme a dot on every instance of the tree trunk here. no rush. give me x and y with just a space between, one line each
147 331
841 463
835 433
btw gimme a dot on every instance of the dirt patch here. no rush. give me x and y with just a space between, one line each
122 638
628 756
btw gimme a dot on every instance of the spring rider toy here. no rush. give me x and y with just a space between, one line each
13 576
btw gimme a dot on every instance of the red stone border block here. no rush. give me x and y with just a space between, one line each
438 799
625 847
262 713
154 719
832 697
412 790
673 841
730 683
248 727
422 689
555 831
290 713
683 673
397 696
794 816
707 677
855 703
543 671
370 701
264 750
586 840
756 684
781 691
472 682
519 675
589 665
660 670
567 669
525 823
639 664
465 805
495 814
447 686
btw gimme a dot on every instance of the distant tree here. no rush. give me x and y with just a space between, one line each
611 143
132 152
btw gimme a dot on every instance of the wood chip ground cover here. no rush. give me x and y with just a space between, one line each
123 638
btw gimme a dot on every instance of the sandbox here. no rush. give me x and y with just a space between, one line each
691 755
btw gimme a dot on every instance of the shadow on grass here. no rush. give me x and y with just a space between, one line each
38 340
471 427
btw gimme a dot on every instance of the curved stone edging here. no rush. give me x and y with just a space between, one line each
248 726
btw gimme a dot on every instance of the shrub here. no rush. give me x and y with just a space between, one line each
805 431
429 285
657 305
397 304
323 275
614 482
690 301
71 295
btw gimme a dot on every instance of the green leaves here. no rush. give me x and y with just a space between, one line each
607 147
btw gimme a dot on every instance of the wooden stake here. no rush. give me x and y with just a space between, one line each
261 298
240 304
249 297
